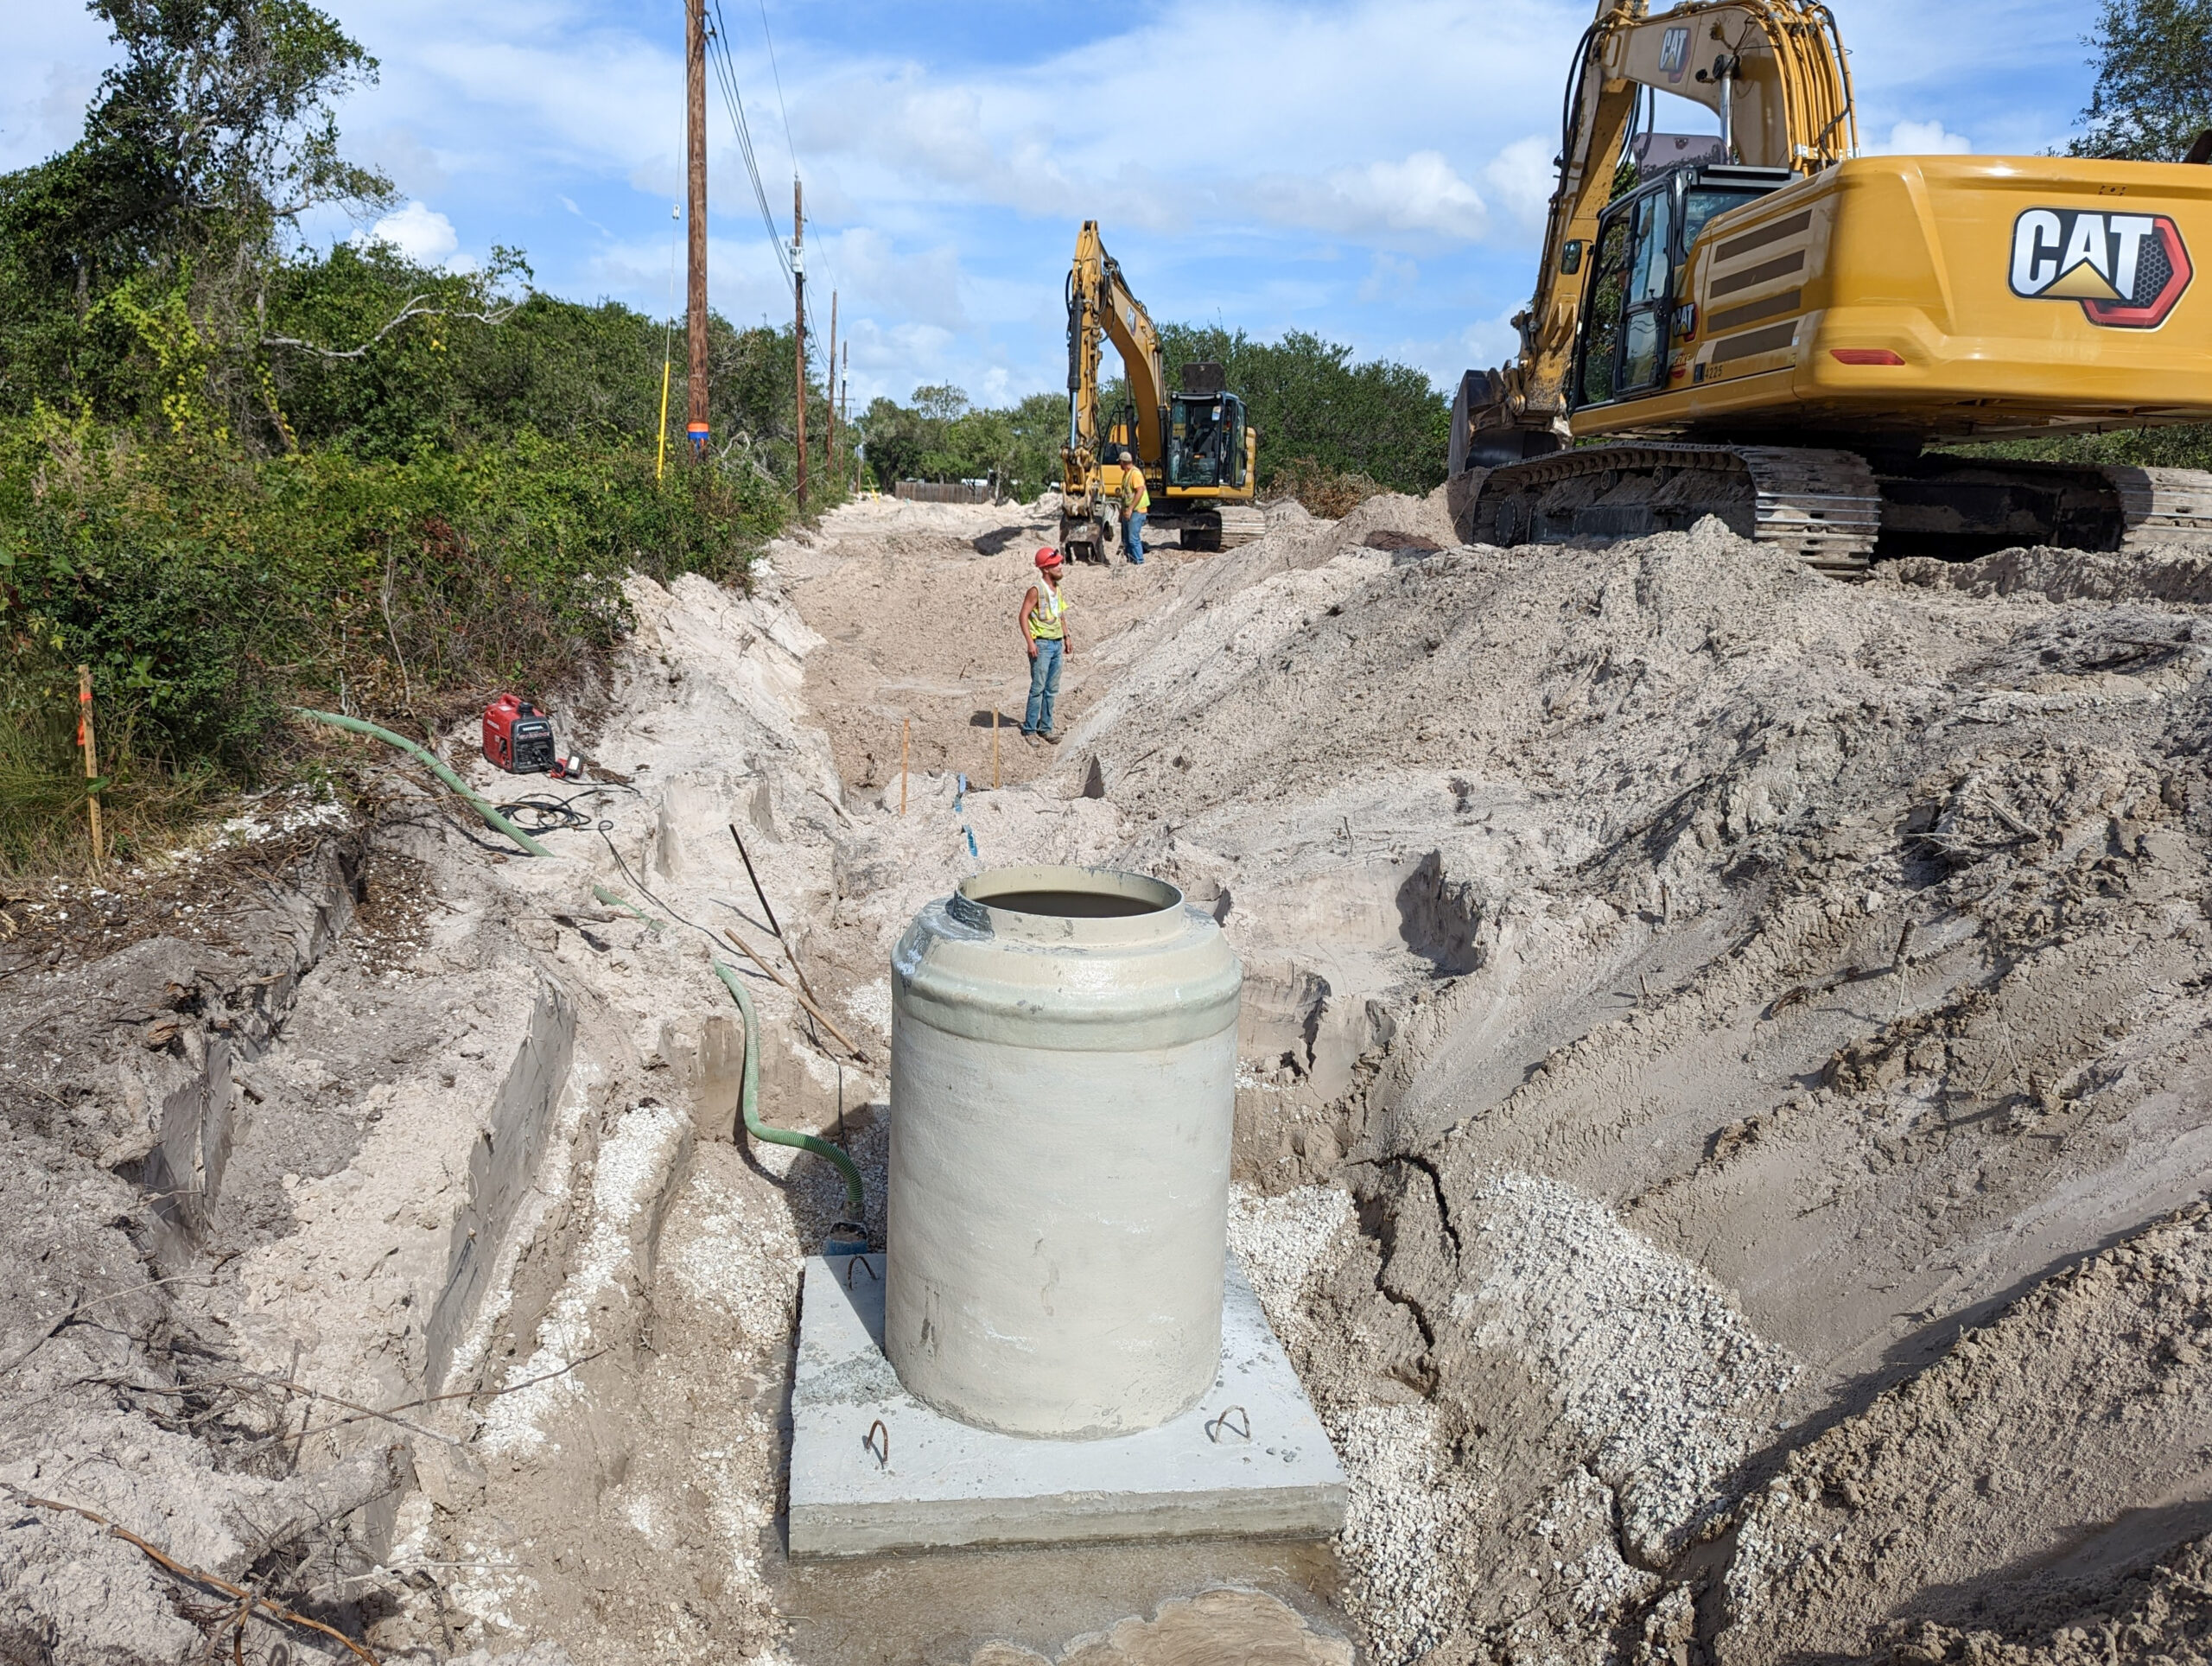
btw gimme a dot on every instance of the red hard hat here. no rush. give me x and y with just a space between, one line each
1048 556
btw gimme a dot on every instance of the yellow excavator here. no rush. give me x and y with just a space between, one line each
1774 331
1199 453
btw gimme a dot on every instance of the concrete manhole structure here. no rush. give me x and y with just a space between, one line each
1055 1346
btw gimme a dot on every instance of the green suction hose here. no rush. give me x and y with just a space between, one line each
749 1095
614 901
444 774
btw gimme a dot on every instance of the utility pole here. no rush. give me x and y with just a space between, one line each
830 391
798 293
695 112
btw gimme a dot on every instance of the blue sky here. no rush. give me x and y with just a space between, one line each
1373 170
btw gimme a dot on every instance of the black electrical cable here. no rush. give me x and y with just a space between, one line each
547 814
734 101
640 885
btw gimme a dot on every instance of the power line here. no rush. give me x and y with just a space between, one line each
734 101
778 75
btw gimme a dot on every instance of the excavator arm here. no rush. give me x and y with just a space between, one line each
1101 309
1772 70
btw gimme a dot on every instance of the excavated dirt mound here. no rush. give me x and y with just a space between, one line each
1764 980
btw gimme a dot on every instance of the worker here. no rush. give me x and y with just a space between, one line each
1045 633
1136 502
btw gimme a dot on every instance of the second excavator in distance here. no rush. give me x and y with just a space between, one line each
1198 451
1769 328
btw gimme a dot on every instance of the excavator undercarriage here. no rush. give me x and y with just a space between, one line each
1834 509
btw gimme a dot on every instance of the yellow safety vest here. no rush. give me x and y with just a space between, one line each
1139 502
1042 618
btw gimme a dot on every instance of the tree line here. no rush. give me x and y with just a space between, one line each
1331 427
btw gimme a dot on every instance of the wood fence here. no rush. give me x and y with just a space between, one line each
941 492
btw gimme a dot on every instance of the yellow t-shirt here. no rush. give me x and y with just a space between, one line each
1136 494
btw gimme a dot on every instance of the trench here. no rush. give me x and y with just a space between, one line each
1673 1170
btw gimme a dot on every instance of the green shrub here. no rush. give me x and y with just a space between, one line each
209 588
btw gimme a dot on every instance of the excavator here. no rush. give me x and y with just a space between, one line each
1769 328
1199 453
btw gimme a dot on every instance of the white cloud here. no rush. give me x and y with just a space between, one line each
1422 197
418 232
1921 139
1523 176
1390 276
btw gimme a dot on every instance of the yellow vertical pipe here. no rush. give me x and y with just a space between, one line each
660 458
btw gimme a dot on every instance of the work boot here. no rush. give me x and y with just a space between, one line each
1049 738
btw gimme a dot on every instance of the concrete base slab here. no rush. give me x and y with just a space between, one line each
873 1469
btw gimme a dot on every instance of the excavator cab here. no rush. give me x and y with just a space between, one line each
1628 321
1205 431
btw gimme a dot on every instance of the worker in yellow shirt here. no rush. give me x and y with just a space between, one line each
1136 503
1043 627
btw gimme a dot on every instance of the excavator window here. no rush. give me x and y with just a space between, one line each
1650 293
1601 337
1627 319
1701 202
1206 441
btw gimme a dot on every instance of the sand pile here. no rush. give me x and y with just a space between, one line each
1758 980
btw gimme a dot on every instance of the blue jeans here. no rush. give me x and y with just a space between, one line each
1133 538
1044 686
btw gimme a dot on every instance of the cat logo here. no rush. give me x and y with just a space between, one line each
2127 270
1673 52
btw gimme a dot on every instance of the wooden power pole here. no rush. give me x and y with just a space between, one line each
798 293
694 107
830 388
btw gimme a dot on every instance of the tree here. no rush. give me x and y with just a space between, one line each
213 134
1313 403
2153 92
895 438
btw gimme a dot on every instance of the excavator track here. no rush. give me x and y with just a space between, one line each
1828 507
1223 528
2161 507
1822 506
1244 524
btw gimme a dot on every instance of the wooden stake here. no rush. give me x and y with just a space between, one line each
828 1024
769 909
92 752
995 745
905 733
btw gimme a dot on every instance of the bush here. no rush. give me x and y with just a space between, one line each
208 589
1328 492
1316 409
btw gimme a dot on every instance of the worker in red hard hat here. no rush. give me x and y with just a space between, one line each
1045 634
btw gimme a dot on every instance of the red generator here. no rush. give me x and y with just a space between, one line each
517 737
